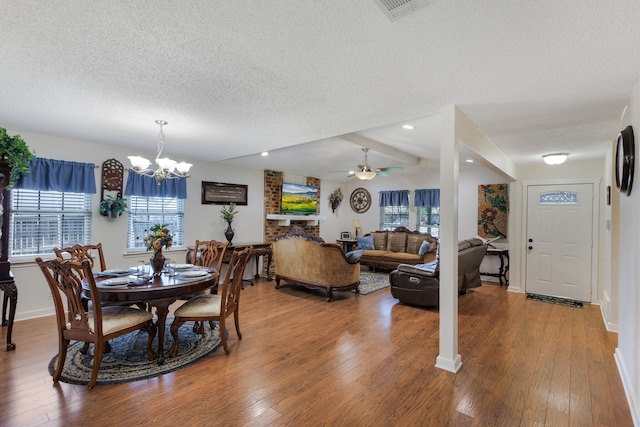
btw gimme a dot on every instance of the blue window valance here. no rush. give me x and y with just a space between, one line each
427 197
142 185
59 175
394 198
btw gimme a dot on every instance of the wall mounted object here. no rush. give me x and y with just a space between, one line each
625 160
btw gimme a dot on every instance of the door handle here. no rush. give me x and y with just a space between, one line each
530 240
530 247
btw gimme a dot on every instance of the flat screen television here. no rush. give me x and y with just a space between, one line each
299 199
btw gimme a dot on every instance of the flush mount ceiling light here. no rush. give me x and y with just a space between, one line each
408 127
555 158
167 168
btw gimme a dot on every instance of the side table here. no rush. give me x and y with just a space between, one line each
347 244
503 254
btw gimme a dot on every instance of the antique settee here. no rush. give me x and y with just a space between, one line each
305 260
420 284
400 246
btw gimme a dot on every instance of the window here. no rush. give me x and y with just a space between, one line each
147 211
42 220
429 220
394 216
559 198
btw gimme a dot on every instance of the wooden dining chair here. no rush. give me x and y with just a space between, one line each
96 325
90 252
80 252
211 255
215 307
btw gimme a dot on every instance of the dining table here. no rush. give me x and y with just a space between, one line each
157 291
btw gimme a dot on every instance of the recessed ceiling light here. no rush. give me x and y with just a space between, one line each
469 161
264 153
408 127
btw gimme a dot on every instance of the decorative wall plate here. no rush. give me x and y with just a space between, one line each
625 160
360 200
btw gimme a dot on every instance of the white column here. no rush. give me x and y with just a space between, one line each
449 359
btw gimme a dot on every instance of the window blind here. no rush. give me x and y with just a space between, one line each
42 220
147 211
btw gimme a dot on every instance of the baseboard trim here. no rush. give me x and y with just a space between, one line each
628 390
451 365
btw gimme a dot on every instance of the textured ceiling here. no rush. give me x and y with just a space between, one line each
237 78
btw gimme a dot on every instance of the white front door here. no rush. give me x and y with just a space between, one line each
559 240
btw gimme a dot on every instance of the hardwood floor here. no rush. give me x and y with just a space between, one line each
361 360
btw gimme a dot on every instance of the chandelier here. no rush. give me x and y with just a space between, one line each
167 168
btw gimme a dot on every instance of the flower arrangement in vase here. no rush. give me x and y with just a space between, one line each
159 237
335 199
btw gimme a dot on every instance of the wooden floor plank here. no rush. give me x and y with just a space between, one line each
359 360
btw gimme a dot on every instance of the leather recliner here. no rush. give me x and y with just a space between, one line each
420 284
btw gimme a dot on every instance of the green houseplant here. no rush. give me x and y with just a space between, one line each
16 151
228 212
113 206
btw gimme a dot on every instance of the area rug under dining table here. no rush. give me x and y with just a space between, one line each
128 361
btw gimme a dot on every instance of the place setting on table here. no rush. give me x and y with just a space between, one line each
142 274
158 287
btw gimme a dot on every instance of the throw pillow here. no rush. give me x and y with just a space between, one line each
424 248
365 243
354 256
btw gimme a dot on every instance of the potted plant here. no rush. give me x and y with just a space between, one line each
113 207
16 151
228 212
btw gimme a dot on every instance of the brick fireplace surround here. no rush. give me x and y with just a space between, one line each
272 197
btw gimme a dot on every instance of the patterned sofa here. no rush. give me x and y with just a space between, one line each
306 260
400 246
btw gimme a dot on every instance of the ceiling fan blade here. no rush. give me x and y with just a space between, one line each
391 169
382 173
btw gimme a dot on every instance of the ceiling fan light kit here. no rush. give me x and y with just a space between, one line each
366 172
365 175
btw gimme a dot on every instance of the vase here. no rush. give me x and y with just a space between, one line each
157 262
228 233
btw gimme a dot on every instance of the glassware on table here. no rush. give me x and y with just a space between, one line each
171 267
141 269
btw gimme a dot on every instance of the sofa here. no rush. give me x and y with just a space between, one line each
419 284
388 249
306 260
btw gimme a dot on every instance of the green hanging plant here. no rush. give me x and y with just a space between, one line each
17 153
113 206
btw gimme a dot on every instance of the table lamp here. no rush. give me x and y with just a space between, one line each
356 224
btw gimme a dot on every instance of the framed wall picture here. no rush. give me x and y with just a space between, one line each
220 193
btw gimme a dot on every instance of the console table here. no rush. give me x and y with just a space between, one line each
503 254
260 249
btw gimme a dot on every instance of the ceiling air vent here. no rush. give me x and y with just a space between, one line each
395 9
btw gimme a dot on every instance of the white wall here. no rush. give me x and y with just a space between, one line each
201 221
628 351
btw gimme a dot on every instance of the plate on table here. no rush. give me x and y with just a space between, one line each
183 266
116 281
117 271
194 273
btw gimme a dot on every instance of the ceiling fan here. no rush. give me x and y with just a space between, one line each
366 172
